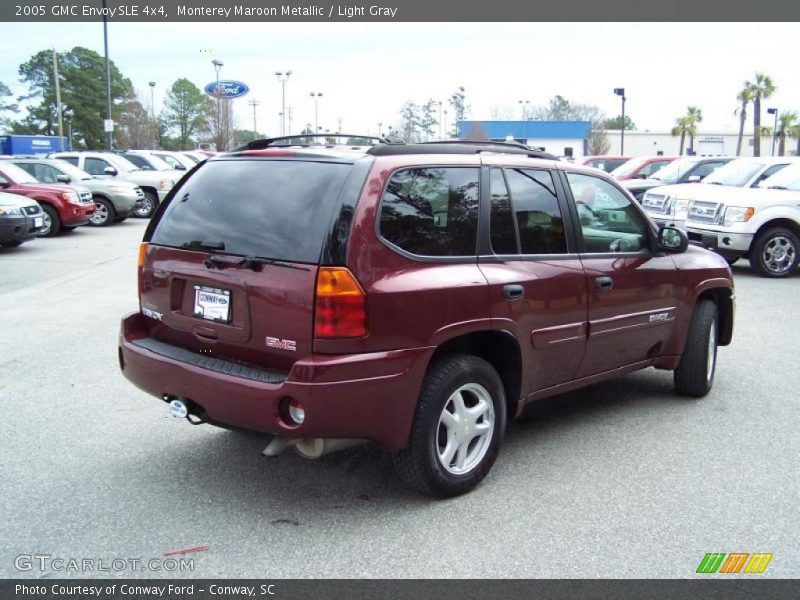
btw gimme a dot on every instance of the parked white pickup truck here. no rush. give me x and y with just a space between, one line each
668 204
761 224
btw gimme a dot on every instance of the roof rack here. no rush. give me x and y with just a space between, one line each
511 144
460 147
304 140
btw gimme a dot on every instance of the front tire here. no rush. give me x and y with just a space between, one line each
51 222
774 252
457 430
695 373
104 213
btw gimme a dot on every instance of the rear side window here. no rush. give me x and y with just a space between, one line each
432 211
538 217
265 208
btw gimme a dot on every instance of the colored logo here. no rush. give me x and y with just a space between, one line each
734 563
227 89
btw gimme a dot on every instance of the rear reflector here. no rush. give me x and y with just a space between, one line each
140 265
341 305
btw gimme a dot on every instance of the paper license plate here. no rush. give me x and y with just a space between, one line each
37 221
213 304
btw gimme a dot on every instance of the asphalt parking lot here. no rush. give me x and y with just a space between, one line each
623 479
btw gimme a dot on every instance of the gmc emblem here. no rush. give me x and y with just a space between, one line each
290 345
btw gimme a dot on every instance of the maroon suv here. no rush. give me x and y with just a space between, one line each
416 296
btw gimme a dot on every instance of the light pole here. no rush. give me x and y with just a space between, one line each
445 123
379 128
440 119
316 96
524 106
283 78
774 111
152 85
217 66
621 92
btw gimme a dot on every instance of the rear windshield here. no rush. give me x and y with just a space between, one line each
266 208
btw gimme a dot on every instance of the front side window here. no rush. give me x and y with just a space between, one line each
95 166
706 169
432 211
609 221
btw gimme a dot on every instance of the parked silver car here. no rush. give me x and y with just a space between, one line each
107 165
114 199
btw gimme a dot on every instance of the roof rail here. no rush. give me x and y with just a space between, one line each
462 147
511 144
304 140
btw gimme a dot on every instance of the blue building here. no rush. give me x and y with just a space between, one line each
562 138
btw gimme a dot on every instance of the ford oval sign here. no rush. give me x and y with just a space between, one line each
227 89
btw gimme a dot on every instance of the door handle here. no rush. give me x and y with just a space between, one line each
513 292
603 283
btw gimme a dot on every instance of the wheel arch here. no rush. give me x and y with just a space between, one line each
788 223
500 349
723 297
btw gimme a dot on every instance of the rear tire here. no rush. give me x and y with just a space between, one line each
457 429
774 252
52 222
695 373
103 213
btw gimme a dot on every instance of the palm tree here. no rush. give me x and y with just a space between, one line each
693 116
762 88
687 125
681 123
745 97
787 126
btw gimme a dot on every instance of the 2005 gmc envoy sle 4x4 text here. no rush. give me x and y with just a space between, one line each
412 295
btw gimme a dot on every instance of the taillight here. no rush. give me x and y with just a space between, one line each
341 305
140 266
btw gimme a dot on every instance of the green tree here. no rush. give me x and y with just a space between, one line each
745 97
82 81
458 100
694 116
187 112
687 125
6 106
761 88
616 123
681 124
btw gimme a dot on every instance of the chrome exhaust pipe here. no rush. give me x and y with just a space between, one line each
310 448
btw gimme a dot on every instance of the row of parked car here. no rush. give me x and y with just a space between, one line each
738 207
42 196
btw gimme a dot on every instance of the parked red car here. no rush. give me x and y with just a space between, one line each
641 167
64 206
604 163
417 296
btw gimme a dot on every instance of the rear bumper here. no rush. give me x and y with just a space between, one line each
368 396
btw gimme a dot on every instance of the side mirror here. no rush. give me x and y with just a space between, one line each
110 171
673 240
693 178
61 178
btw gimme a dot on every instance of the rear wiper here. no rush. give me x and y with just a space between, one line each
248 262
204 245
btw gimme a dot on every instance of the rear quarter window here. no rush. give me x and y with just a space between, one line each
265 208
432 211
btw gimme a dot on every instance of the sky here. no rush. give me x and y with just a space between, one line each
366 71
